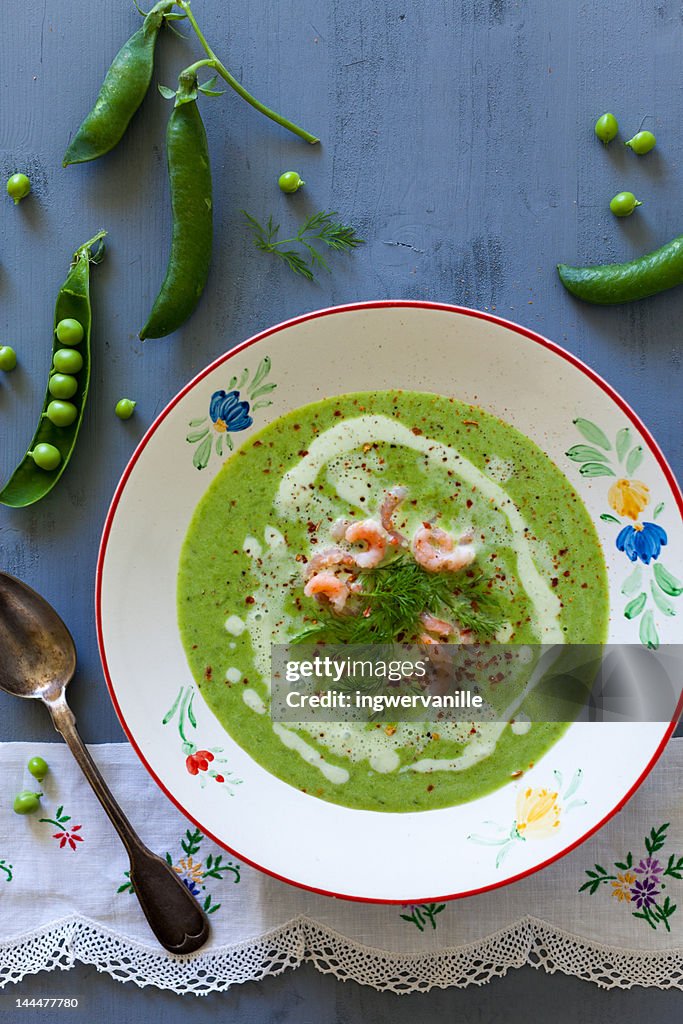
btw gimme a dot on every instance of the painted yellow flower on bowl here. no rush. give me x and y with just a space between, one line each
648 590
538 813
628 497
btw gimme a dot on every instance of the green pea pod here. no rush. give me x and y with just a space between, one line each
189 172
612 283
122 92
28 482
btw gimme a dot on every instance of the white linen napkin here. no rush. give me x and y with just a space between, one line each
610 912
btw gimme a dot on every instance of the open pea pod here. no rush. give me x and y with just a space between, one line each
29 483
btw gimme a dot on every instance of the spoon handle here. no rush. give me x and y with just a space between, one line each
173 914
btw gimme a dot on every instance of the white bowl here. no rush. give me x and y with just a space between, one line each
413 857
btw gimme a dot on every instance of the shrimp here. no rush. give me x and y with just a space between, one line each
443 630
327 586
392 500
327 558
374 536
438 626
438 679
436 550
339 528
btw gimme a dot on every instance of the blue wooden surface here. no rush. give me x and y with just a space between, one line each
457 137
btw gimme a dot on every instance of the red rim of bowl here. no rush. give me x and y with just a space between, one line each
350 308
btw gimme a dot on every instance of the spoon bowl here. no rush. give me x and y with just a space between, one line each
37 651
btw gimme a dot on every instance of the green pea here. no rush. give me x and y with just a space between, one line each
69 332
38 768
68 360
62 385
623 204
62 414
46 456
18 187
8 358
606 128
642 142
26 802
290 181
124 408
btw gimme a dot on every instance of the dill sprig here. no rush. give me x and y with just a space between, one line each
320 227
395 595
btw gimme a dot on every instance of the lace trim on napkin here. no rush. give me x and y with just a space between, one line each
529 941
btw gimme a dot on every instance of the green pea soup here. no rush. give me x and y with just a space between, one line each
273 505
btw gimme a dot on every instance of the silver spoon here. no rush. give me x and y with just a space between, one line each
38 660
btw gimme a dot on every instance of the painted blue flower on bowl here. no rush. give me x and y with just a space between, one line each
642 541
647 592
229 413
